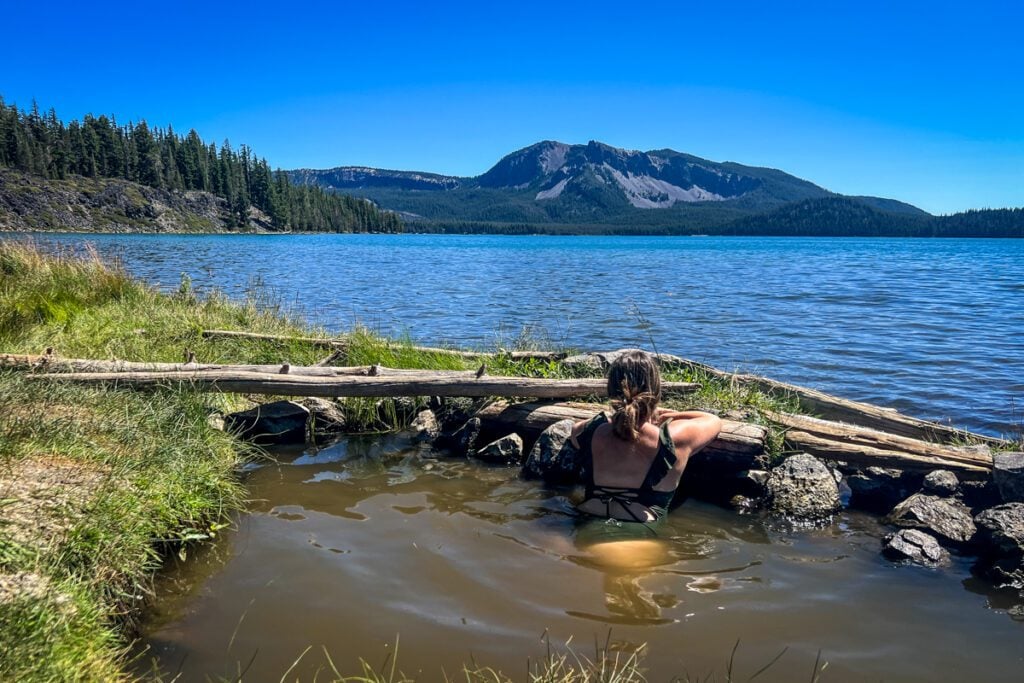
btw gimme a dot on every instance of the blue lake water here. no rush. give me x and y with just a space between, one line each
934 328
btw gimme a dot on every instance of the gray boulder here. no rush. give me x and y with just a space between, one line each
1008 475
425 426
877 489
916 546
948 519
1001 543
940 483
269 423
803 488
505 451
553 458
326 418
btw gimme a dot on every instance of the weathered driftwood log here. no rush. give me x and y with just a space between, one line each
739 441
51 363
342 342
420 384
853 412
869 447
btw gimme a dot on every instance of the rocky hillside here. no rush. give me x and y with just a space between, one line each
30 202
592 184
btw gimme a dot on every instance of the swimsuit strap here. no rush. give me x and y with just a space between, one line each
664 460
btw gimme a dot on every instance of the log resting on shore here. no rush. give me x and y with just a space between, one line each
343 342
52 363
842 410
740 443
869 447
419 384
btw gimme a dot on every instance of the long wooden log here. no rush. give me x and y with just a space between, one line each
433 384
51 363
842 410
739 441
342 342
863 446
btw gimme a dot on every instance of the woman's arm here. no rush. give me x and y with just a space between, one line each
691 430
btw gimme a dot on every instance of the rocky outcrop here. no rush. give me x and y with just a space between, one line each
914 545
948 519
29 202
1001 543
802 488
507 450
553 458
1008 475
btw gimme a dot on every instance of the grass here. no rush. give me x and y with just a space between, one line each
97 485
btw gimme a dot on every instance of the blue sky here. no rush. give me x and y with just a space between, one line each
921 101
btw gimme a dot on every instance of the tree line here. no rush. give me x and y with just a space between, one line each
99 147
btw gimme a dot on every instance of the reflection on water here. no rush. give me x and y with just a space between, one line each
349 547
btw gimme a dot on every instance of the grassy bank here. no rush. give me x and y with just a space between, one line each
97 485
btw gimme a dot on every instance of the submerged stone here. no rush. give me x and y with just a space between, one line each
425 426
505 451
877 489
948 519
1001 543
914 545
803 488
553 458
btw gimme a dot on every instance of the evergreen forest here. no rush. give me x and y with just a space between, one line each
100 147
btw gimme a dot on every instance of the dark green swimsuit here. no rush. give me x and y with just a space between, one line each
656 502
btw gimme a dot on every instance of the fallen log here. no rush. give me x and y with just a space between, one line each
740 442
343 342
419 384
869 447
51 363
842 410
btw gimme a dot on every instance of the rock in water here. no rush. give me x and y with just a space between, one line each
877 489
425 426
916 546
277 422
553 458
1008 474
507 450
941 483
1001 543
948 519
463 440
803 488
325 417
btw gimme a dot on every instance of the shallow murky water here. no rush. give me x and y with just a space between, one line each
372 542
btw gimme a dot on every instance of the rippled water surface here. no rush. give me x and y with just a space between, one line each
932 327
371 540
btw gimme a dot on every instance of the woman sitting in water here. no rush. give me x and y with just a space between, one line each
633 461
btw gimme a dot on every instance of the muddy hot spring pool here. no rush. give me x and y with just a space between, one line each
370 542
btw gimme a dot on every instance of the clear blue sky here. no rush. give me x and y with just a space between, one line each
921 101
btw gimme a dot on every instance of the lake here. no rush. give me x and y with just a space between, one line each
934 328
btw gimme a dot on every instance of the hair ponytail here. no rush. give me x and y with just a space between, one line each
634 385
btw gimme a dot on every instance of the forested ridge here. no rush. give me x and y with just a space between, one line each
99 147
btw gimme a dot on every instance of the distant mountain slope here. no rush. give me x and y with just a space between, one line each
556 183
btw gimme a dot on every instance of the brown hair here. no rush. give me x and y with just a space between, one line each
634 386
